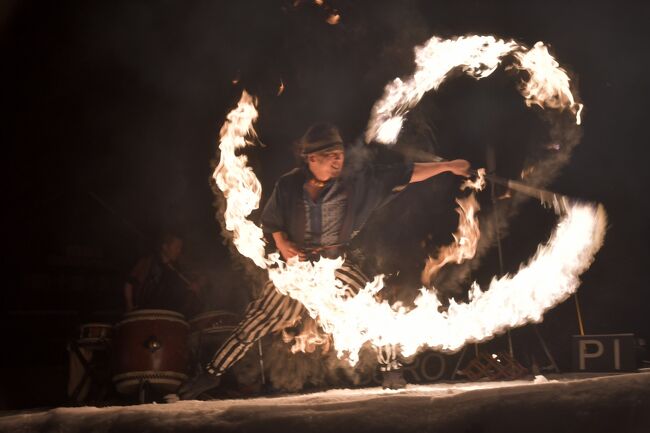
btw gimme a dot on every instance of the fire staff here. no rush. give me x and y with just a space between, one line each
314 211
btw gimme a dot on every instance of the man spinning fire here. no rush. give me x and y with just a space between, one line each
315 211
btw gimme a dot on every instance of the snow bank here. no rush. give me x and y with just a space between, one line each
619 403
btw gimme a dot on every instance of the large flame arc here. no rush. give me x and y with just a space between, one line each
549 278
547 84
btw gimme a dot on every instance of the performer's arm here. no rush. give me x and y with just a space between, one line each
135 280
425 170
128 297
287 248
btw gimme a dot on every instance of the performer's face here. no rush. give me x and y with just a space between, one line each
173 249
327 164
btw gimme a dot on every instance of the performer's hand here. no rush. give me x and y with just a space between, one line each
288 250
194 287
459 167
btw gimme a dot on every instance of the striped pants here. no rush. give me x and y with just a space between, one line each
273 312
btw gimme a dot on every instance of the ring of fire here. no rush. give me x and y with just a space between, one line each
548 278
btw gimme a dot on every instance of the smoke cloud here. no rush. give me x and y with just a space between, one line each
565 136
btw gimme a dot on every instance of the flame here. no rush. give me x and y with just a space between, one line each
465 239
527 172
478 56
477 184
549 278
549 85
333 19
466 236
333 16
239 184
281 88
309 337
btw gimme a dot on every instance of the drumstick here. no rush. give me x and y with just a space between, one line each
180 275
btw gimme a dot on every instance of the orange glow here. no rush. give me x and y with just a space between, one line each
333 19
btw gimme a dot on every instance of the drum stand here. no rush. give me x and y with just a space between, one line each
91 369
144 391
259 350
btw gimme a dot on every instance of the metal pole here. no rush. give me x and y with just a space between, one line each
546 351
259 349
492 165
580 324
460 359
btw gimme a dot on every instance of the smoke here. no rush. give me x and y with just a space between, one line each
541 172
292 372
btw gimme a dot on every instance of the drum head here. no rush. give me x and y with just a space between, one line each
212 319
138 315
95 332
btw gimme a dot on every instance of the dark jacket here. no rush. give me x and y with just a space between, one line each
366 190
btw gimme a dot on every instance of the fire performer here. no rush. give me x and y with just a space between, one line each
313 212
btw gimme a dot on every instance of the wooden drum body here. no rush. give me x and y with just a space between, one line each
151 346
208 331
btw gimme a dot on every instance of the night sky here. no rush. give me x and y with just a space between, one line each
112 111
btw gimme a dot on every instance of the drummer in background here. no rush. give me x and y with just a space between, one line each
157 283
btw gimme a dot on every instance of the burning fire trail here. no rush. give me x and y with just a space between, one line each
237 181
547 84
549 278
466 237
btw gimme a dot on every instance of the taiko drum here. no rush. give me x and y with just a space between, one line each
151 347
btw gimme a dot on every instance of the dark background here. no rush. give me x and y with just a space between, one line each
112 112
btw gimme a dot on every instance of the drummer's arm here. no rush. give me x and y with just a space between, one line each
128 296
134 280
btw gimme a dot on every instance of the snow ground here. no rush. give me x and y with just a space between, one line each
615 403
